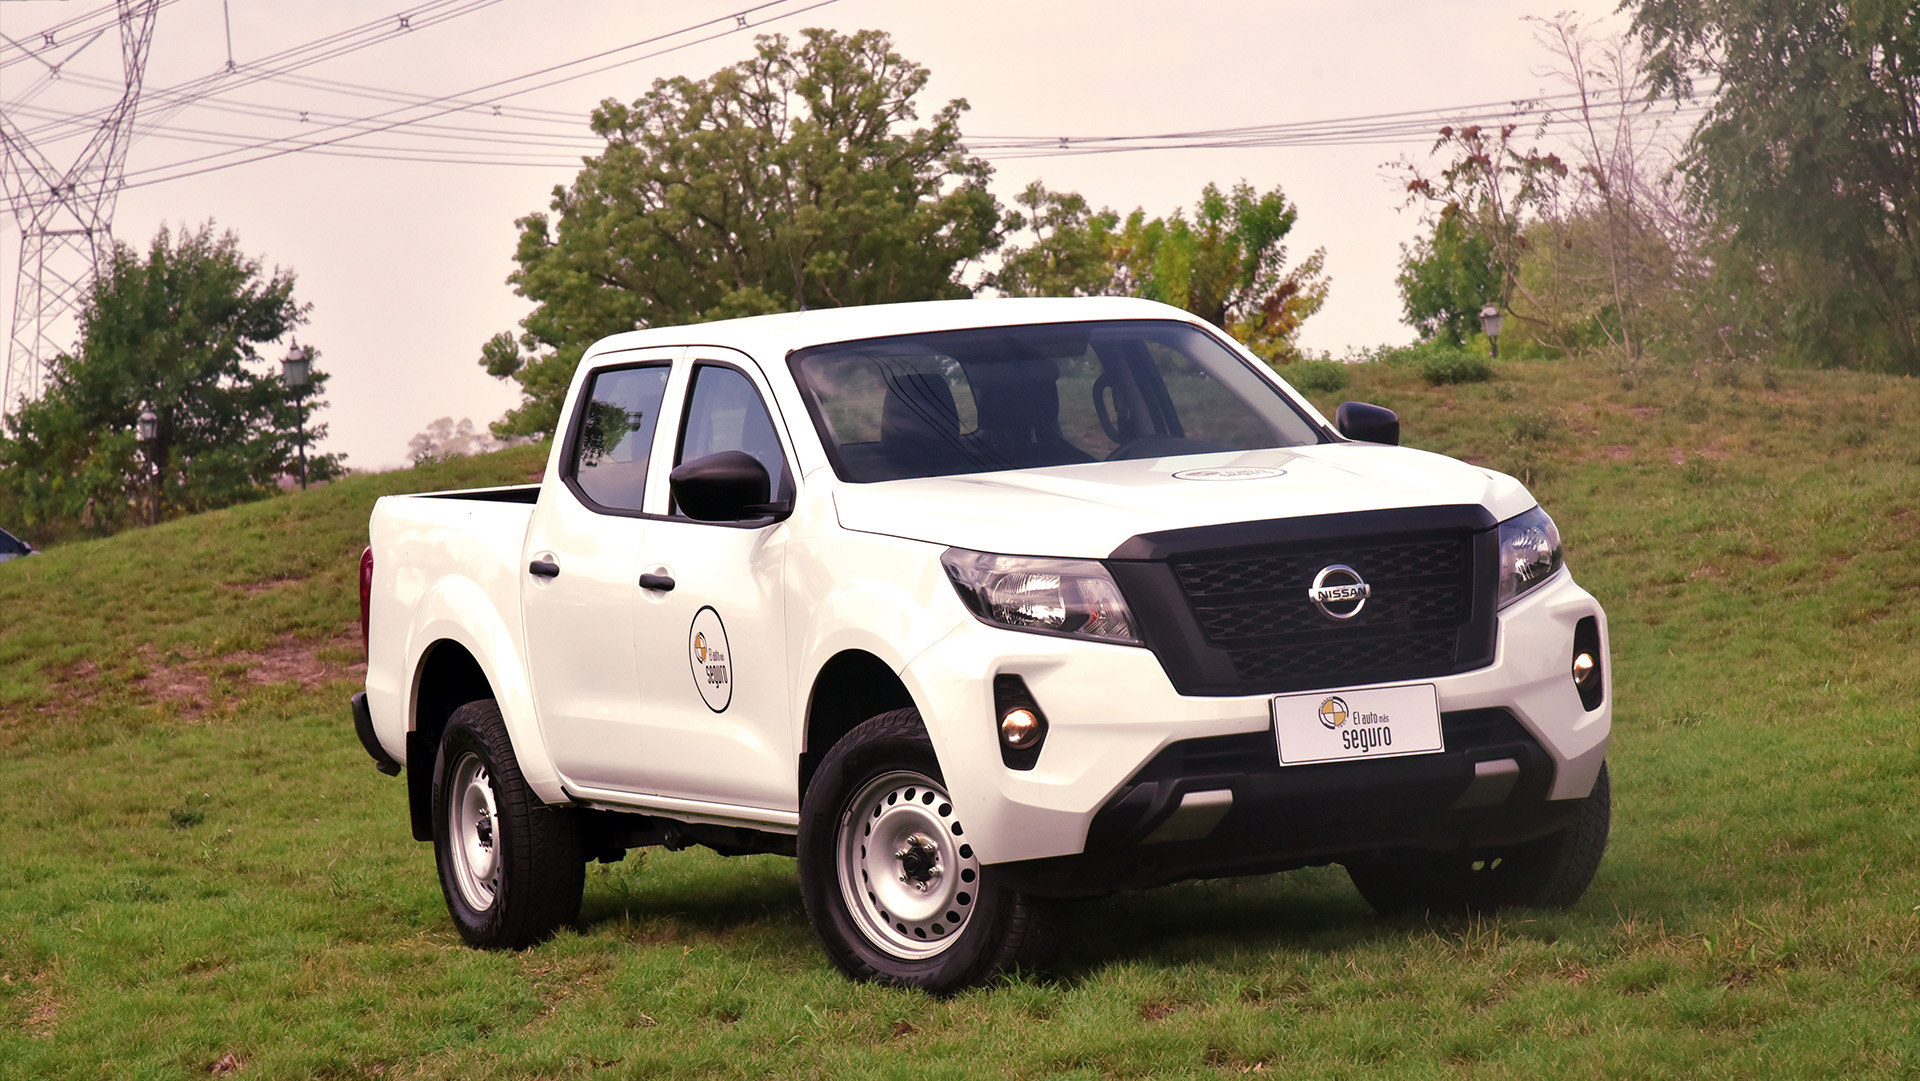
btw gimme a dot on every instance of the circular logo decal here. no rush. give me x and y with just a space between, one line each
712 659
1333 712
1339 591
1229 473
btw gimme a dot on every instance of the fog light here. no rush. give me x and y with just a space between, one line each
1586 671
1019 728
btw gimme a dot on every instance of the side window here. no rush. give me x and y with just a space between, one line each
724 412
616 429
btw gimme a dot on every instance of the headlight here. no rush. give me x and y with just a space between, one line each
1051 596
1529 553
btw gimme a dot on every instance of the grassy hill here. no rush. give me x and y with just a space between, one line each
200 871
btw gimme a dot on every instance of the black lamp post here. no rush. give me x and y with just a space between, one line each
297 369
1490 326
147 429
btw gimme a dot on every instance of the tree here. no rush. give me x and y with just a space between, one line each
1493 187
1072 250
783 182
174 332
1446 279
1228 264
444 440
1805 162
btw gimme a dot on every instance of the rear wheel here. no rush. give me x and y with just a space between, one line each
891 881
511 867
1552 872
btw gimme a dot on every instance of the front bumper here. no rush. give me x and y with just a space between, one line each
1123 748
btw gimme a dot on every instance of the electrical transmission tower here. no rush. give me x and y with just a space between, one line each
65 214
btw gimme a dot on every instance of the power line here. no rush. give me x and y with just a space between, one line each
442 105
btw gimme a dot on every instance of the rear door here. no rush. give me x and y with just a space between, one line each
580 583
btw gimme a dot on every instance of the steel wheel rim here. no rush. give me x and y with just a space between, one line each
907 873
473 821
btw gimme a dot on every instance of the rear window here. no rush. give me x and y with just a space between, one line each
1021 397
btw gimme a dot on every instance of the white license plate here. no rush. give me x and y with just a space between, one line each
1371 722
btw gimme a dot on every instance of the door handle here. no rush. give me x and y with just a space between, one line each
541 568
661 582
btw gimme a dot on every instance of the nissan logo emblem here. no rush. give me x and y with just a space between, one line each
1339 591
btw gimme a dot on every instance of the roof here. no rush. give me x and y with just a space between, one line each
770 336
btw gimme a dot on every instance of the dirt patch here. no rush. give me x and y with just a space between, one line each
187 683
1619 453
44 1015
1157 1011
291 660
254 589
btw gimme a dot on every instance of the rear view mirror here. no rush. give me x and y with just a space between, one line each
731 486
1368 423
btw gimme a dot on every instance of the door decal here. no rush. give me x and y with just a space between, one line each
712 660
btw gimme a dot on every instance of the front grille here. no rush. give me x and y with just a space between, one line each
1254 607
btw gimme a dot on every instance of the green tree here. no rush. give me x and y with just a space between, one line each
1227 264
1445 280
1072 250
175 332
1492 188
786 181
1806 162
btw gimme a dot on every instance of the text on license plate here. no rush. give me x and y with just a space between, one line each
1370 722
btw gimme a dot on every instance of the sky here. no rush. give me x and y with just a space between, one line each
405 261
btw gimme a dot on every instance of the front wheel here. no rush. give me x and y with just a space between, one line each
510 866
890 879
1552 872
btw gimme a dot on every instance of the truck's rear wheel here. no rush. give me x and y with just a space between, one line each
889 875
510 866
1552 872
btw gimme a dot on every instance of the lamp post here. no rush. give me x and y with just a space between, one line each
1490 326
146 429
297 369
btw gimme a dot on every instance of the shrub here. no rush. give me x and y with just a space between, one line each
1316 376
1455 367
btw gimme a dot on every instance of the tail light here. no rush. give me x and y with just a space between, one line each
366 596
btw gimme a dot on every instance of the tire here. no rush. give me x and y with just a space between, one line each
1552 872
511 867
920 911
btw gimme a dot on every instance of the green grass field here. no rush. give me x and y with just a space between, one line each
202 875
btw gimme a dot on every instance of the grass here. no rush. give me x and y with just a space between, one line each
201 875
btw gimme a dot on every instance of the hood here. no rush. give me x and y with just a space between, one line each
1086 511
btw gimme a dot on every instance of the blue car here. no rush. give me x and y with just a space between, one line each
12 547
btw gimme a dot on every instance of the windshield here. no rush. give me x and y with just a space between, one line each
976 401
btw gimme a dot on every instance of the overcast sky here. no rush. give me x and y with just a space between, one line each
404 261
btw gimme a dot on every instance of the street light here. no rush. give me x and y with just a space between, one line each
297 368
1490 326
147 429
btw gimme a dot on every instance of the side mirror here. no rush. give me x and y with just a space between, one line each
731 486
1368 423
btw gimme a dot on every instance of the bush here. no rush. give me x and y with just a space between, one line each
1316 376
1455 367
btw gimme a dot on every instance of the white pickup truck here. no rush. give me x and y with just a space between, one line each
973 606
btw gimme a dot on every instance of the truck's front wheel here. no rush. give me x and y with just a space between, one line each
510 866
890 878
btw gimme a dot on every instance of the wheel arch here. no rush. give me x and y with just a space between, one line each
852 686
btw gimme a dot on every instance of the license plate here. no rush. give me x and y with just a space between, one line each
1372 722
